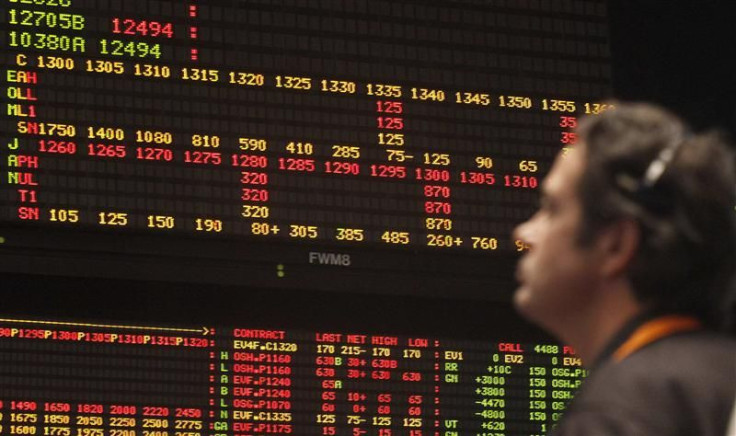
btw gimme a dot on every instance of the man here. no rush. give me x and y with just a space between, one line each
629 254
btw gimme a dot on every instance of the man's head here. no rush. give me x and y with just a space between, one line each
640 202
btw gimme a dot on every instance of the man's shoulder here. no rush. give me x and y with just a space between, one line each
686 359
685 381
694 348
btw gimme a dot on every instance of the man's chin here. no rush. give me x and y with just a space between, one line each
521 300
526 305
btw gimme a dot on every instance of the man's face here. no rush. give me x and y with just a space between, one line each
556 275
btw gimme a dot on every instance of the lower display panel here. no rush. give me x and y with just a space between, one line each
81 378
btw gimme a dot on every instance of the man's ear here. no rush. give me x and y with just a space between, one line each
619 243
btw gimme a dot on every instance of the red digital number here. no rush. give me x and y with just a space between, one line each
433 175
52 146
249 161
476 178
388 171
515 181
568 138
249 178
437 208
202 157
128 26
256 195
348 168
390 107
106 150
294 164
390 123
437 191
152 153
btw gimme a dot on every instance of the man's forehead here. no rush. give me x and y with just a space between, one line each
566 172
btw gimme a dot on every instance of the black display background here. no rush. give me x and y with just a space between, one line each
675 55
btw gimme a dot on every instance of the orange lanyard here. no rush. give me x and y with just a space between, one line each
654 330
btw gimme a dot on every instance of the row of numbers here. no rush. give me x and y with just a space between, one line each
298 83
299 231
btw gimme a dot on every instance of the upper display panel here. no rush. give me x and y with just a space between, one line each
384 146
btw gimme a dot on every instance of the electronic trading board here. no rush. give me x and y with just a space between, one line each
373 146
185 184
80 379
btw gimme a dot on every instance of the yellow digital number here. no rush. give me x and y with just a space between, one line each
113 218
338 86
200 74
153 137
484 162
160 222
521 245
263 229
108 67
107 133
300 148
148 70
514 101
597 108
558 105
393 139
206 141
208 225
64 215
55 63
397 155
425 94
382 420
252 144
247 79
250 211
394 237
325 419
484 243
434 240
302 231
472 98
442 159
345 234
383 90
346 151
293 82
528 166
155 423
438 224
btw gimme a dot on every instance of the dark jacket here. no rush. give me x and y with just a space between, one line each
681 385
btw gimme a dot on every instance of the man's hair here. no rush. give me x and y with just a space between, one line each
644 164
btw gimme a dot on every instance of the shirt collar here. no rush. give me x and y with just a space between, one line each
622 335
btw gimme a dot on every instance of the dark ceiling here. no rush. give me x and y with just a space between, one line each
680 54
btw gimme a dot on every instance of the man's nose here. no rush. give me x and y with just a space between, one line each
524 232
